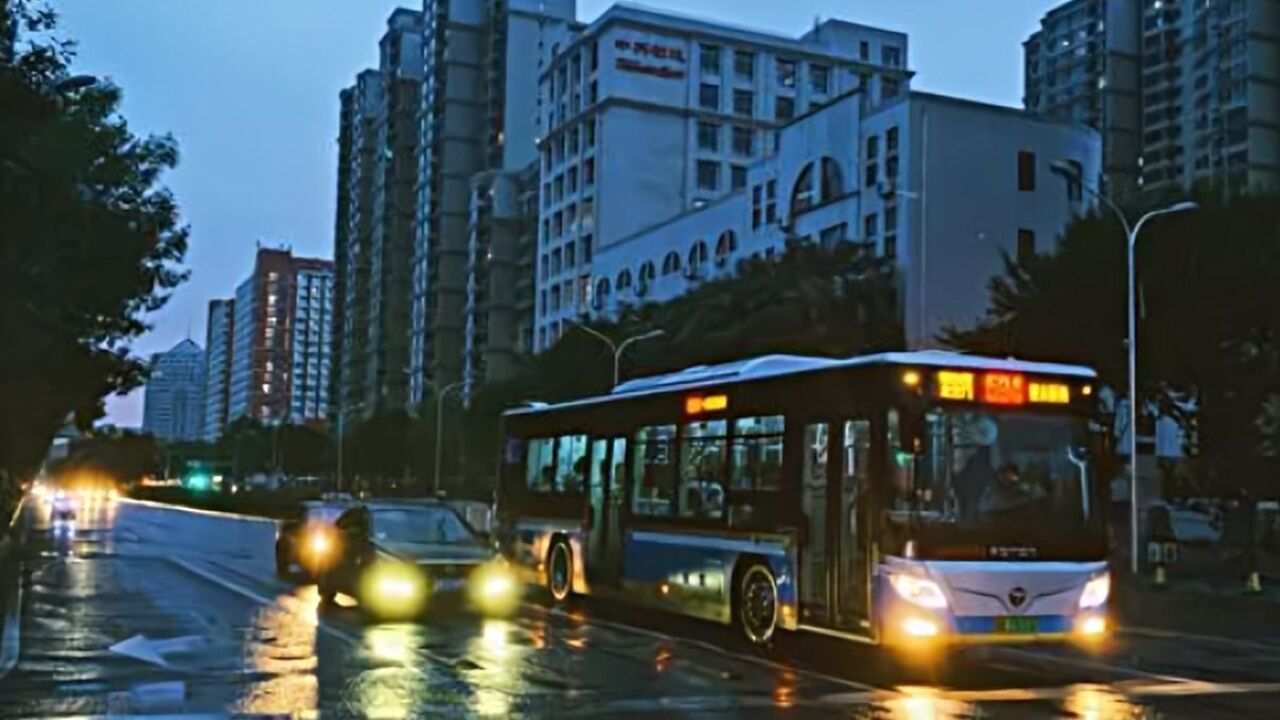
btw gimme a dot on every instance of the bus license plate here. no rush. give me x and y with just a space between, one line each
1017 625
448 584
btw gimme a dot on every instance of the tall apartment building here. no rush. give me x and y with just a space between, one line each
282 340
219 333
650 114
378 142
1184 91
478 102
940 185
173 402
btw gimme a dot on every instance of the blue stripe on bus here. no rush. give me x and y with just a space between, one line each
700 563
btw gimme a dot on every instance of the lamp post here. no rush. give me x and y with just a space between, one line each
1072 173
618 348
435 477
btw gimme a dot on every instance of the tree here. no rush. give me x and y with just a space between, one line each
1208 327
91 241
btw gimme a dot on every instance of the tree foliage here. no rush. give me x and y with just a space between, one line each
1208 326
90 241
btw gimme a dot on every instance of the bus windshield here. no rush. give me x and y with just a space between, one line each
1006 485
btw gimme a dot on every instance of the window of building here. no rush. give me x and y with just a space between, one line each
873 147
623 281
891 246
697 254
802 192
891 139
710 62
546 266
587 215
784 108
871 175
587 248
890 56
869 224
737 177
568 293
542 303
703 469
757 207
771 202
743 102
726 244
832 180
589 134
557 224
555 298
573 141
744 65
709 96
864 50
571 255
743 140
757 453
891 168
556 259
647 273
654 471
589 172
573 180
708 174
559 185
1026 245
890 218
786 73
602 293
671 263
819 79
1075 188
595 57
709 136
1026 171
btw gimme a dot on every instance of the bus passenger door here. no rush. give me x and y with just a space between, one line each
852 526
816 551
604 492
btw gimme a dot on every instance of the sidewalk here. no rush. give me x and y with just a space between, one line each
1214 603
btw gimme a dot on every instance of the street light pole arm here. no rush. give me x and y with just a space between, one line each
1129 231
604 338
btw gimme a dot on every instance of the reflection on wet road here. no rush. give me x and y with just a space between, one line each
149 610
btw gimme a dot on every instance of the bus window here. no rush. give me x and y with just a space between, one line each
757 452
702 469
540 467
654 476
572 464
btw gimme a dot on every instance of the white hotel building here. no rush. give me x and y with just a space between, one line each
647 115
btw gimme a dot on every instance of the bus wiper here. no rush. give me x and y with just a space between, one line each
1081 465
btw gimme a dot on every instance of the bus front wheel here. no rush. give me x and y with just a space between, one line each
559 571
756 603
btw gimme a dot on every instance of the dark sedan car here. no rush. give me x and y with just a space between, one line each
306 537
400 558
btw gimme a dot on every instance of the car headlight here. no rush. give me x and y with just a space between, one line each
393 589
494 588
1096 591
918 591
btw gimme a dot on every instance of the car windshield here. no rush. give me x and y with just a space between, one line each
998 477
430 525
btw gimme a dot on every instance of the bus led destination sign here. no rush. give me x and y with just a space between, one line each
999 388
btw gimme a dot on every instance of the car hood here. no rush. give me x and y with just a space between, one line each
437 554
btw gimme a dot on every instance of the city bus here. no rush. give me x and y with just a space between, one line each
901 498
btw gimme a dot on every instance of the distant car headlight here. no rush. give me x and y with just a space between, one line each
1096 591
918 591
494 588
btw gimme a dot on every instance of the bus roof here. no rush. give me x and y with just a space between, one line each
767 366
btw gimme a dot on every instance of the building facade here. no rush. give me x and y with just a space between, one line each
941 186
1185 93
219 334
648 115
478 104
280 358
173 402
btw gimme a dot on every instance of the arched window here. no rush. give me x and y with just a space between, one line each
671 263
802 191
624 280
832 180
697 254
726 244
646 272
602 293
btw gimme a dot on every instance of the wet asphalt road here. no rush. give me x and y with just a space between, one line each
220 635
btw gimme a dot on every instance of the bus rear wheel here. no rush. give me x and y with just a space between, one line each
559 572
756 604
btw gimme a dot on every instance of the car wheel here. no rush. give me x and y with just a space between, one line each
756 604
282 564
560 572
328 593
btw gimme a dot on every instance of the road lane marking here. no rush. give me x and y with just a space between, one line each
11 646
197 511
1156 633
1094 665
712 647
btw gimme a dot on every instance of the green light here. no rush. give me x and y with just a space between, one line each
199 481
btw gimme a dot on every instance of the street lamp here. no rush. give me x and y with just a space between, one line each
1072 173
435 478
619 348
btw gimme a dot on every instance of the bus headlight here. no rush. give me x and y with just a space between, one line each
918 591
1096 591
494 589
